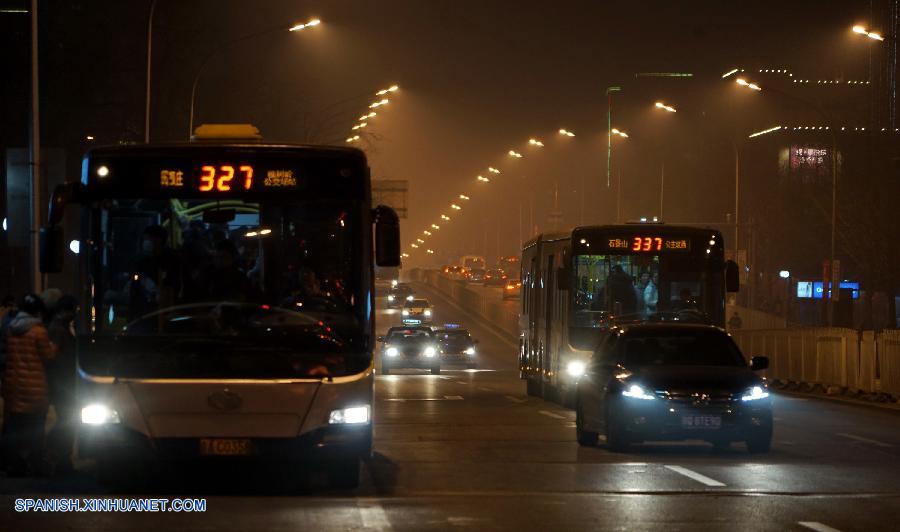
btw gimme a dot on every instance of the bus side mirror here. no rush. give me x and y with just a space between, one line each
387 236
563 280
732 276
52 249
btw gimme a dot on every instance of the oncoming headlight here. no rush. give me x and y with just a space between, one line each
575 368
429 351
409 298
405 312
390 297
391 351
98 414
349 416
427 312
470 351
636 392
755 393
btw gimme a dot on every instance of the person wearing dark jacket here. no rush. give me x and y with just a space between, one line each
25 395
61 384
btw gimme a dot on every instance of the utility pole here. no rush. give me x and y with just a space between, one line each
149 71
609 91
662 187
35 156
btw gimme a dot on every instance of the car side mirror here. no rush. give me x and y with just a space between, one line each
381 338
759 363
387 236
52 249
732 277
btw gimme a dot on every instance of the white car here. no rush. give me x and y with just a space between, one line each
416 312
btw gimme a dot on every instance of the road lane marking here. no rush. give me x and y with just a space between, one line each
444 398
864 440
551 414
695 476
372 515
485 389
461 382
515 399
817 526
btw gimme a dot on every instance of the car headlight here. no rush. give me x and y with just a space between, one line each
470 351
429 351
754 393
409 298
428 313
394 283
575 368
391 351
637 392
391 297
405 312
98 414
349 416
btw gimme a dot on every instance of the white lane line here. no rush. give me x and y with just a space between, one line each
485 389
864 440
703 479
444 398
551 414
515 399
372 515
817 526
461 382
453 397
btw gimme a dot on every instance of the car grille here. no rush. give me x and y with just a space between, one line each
697 398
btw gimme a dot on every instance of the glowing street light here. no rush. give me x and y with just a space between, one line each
414 246
310 24
744 83
435 226
514 153
379 103
405 255
392 88
426 232
445 218
493 170
668 108
619 132
870 34
462 197
367 116
430 251
483 179
456 207
360 125
420 241
354 138
536 142
566 133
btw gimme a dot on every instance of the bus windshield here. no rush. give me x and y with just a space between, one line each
641 287
275 278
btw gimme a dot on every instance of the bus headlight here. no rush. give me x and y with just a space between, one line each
405 312
98 414
429 351
575 368
391 297
391 351
349 416
470 351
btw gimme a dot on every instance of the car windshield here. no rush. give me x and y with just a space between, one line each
409 336
417 303
680 348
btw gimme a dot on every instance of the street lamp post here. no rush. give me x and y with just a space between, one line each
834 176
609 131
295 27
149 71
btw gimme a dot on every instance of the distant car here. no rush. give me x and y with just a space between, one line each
670 381
410 347
494 277
455 272
416 312
457 345
512 289
399 295
476 275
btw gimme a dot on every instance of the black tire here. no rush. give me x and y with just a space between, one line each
436 371
344 475
586 438
533 388
617 439
760 443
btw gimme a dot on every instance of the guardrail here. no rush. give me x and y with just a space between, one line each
866 362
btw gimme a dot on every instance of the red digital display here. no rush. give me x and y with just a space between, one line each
647 243
220 177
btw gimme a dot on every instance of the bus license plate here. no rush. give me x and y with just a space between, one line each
225 447
701 422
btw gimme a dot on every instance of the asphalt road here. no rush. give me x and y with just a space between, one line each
468 449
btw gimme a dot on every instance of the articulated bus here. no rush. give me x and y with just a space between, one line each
228 303
578 283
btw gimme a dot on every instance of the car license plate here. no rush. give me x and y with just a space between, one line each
225 447
701 422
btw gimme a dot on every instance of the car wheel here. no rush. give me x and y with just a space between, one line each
616 436
760 443
344 474
436 371
586 438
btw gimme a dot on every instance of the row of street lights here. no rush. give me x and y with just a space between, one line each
363 121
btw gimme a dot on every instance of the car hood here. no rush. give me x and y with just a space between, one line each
732 379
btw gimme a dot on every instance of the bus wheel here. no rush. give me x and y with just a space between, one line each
344 474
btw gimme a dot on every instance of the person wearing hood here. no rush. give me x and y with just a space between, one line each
25 395
61 382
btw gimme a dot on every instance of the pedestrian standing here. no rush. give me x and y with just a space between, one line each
24 390
61 384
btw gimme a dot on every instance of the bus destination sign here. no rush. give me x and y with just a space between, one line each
647 244
226 177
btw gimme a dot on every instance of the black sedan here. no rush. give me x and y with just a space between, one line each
410 347
399 295
457 346
673 382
